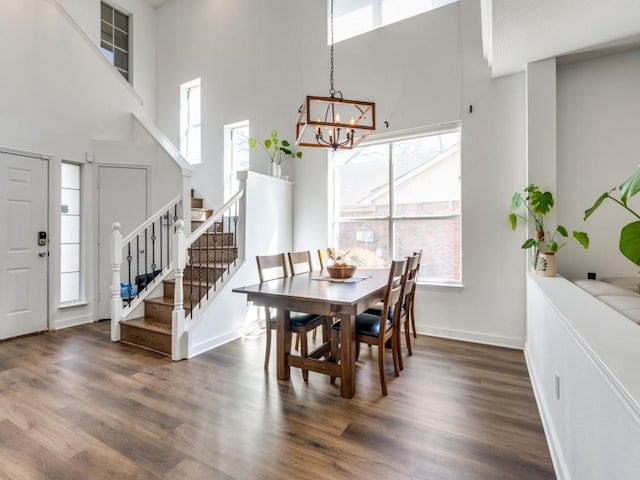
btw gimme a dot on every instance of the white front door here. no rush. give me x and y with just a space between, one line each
123 199
23 262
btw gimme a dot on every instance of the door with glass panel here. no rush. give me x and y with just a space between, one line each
24 244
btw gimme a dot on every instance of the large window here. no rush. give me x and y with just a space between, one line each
114 38
355 17
190 121
236 155
396 197
70 274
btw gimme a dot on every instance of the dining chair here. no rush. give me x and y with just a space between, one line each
413 263
300 262
378 330
412 311
271 267
324 255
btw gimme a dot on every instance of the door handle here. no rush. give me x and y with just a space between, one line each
42 254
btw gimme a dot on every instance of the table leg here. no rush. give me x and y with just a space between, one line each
347 357
283 344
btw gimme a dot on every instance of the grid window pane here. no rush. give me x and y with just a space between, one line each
70 258
70 229
69 287
106 32
120 20
70 176
70 201
121 40
366 242
106 13
362 181
121 59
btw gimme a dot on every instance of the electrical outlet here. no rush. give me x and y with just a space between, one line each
557 385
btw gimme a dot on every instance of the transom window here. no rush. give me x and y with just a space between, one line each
190 121
355 17
114 38
398 196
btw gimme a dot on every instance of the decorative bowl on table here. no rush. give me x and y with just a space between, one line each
341 271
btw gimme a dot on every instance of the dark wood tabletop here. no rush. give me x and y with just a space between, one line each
304 293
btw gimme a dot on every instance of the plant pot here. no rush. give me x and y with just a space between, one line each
546 265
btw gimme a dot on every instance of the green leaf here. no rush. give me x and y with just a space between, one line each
516 201
552 246
274 135
513 219
630 187
587 213
299 154
286 151
251 142
630 242
284 143
531 242
541 202
267 143
562 231
582 238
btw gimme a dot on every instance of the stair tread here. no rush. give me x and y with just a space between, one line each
202 209
162 301
147 323
221 265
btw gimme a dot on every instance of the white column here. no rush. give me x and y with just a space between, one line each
179 345
116 299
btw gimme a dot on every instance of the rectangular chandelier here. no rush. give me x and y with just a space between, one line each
334 122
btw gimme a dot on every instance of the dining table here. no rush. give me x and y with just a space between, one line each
317 293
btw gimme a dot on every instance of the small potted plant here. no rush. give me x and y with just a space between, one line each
277 150
536 205
630 234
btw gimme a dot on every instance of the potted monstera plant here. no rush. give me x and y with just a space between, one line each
629 244
532 208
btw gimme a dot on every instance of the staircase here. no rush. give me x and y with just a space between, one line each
209 257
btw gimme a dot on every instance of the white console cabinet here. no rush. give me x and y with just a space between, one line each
584 362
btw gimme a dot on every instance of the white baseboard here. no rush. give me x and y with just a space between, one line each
559 464
221 340
475 337
73 321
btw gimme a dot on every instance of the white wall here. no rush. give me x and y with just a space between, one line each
86 13
419 72
57 95
598 145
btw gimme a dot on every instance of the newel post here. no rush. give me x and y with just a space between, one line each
116 299
178 336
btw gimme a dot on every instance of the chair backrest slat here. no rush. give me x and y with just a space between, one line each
300 262
271 267
395 289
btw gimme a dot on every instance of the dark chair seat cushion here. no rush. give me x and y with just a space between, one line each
366 324
299 319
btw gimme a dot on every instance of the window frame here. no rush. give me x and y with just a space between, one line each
80 300
231 164
185 127
393 218
126 73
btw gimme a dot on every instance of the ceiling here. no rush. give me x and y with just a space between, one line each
517 32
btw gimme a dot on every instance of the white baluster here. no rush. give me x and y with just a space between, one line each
179 337
116 299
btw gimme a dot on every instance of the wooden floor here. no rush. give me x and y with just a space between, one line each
73 405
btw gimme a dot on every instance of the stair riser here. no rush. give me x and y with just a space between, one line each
198 293
196 203
161 313
220 255
218 240
202 277
159 342
200 215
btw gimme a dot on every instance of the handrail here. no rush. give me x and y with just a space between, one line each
214 218
165 143
151 219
